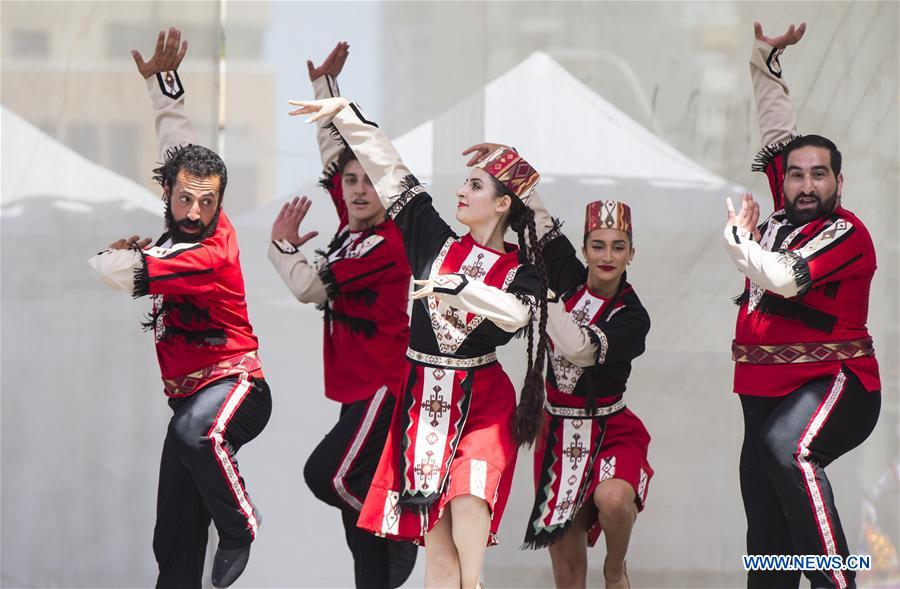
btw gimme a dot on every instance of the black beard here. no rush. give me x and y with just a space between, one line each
797 218
173 227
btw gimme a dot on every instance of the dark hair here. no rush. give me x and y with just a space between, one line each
530 411
814 141
345 158
196 160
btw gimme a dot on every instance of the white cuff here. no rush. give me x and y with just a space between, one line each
301 277
116 268
504 309
775 113
568 336
773 271
173 127
543 222
329 147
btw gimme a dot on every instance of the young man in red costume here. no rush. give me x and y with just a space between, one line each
361 283
204 342
805 366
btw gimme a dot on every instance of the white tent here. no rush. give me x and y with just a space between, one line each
565 128
37 165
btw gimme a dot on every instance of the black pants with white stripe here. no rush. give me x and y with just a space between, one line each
199 478
788 442
339 472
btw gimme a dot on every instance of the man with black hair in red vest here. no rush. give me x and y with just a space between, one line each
805 367
204 342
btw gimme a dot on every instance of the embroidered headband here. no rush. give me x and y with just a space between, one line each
511 170
607 214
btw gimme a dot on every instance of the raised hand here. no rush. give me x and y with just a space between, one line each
332 65
133 242
748 218
481 151
287 223
167 56
324 109
792 36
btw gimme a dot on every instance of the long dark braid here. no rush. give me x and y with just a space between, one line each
530 412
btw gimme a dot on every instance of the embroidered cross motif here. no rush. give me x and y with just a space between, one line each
453 319
575 451
581 315
426 469
435 406
565 505
476 269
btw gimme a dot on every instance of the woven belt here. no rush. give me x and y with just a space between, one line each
187 384
802 353
447 362
576 412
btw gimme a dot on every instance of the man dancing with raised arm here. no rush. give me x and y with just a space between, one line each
204 342
805 367
361 283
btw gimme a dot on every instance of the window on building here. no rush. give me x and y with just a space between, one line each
29 43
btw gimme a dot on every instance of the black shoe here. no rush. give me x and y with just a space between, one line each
401 560
228 565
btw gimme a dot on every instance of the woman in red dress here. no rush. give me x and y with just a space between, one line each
445 474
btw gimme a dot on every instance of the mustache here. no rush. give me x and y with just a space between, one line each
191 224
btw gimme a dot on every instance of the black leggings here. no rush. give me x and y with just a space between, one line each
199 478
339 472
788 442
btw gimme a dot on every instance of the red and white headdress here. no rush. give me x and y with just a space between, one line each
511 170
607 214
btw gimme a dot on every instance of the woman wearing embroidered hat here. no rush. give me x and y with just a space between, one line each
591 469
445 475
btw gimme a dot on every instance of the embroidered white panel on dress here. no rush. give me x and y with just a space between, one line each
576 438
607 468
432 428
642 486
449 323
477 477
583 312
391 522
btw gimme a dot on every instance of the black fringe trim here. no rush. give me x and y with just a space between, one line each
199 338
545 539
152 318
831 289
552 234
800 269
409 182
336 135
366 296
187 313
328 175
366 327
790 309
327 276
419 503
533 309
141 280
742 298
768 153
